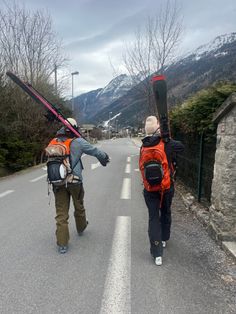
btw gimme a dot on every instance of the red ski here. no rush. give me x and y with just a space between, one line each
33 93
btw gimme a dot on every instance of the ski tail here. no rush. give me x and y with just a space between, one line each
34 94
160 94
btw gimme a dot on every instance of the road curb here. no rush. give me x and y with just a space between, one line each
17 173
202 214
230 248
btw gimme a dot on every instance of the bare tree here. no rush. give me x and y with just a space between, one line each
154 47
28 47
28 44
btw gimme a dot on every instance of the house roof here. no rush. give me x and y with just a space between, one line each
88 126
226 107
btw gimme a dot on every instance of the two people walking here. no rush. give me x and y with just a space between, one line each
157 177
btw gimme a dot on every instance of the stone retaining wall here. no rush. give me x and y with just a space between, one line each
223 200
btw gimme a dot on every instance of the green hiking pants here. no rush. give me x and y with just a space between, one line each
63 195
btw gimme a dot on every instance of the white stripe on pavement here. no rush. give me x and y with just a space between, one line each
6 193
94 166
116 297
127 168
126 189
128 159
38 178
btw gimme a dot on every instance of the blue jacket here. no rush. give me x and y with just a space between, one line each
78 147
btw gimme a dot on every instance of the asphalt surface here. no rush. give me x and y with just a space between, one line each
109 268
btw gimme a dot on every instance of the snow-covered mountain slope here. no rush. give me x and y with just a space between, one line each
116 88
196 70
213 46
88 104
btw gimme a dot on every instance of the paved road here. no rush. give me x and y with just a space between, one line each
109 269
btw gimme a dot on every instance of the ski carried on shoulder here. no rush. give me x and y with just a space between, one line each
160 94
33 93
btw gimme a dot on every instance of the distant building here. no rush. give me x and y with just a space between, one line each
87 127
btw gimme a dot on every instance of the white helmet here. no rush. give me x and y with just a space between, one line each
72 122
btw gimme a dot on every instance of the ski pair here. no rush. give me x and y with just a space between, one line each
160 94
33 93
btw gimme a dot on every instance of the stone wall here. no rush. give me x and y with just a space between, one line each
223 200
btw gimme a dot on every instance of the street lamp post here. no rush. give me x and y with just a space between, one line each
72 100
109 134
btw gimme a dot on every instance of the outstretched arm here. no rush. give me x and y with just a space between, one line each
91 150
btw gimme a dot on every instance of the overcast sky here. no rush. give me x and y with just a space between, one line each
94 31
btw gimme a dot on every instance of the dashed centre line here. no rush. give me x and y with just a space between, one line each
127 168
126 189
94 166
117 296
128 159
6 193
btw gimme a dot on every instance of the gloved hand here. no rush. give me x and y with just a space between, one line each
105 160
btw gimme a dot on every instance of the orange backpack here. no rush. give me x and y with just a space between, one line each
154 168
58 164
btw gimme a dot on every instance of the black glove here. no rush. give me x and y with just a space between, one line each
105 160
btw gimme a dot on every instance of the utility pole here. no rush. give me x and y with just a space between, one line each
72 100
55 72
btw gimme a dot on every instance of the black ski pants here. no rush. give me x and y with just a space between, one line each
159 223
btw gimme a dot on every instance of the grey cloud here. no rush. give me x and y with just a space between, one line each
90 28
120 30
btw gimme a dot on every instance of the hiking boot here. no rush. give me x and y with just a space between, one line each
82 232
163 243
62 249
158 261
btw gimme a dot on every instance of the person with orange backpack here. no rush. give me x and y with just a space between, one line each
64 168
155 164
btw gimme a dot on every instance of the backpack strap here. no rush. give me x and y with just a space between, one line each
77 161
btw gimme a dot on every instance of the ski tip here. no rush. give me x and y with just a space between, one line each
158 78
10 74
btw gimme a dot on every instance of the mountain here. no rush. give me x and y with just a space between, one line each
215 61
89 104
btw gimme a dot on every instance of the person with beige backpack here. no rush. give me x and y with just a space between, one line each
64 168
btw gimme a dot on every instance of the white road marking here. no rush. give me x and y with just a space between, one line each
126 189
38 178
137 169
117 296
6 193
127 168
44 168
94 166
128 159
